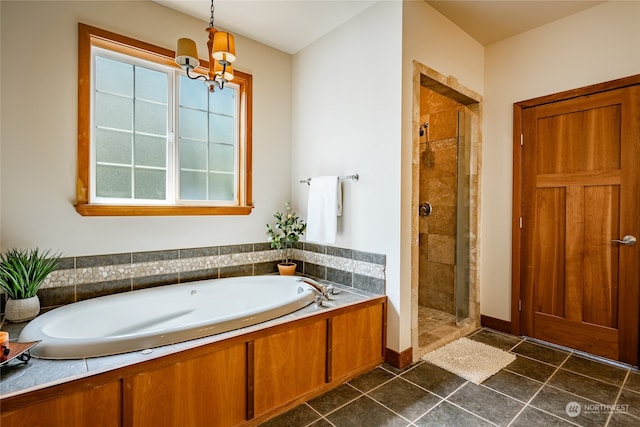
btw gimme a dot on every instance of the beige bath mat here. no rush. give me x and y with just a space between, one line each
471 360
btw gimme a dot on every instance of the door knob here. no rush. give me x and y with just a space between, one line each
626 240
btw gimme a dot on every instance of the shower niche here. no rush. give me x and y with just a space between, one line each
445 176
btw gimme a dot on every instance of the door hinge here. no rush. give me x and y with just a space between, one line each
521 140
521 222
519 305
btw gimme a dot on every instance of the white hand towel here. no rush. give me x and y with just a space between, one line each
323 209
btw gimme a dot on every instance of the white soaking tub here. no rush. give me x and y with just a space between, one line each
163 315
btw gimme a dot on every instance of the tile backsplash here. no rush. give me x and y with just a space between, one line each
84 277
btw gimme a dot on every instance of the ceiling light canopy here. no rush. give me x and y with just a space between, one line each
222 53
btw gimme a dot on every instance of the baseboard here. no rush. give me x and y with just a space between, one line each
399 360
497 324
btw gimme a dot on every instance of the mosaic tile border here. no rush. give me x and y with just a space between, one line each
84 277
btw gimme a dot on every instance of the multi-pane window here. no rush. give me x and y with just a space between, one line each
154 142
207 141
131 123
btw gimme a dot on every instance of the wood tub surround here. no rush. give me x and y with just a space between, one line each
242 380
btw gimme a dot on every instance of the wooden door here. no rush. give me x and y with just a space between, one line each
580 163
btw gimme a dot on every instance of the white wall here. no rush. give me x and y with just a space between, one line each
39 114
360 122
433 40
346 119
593 46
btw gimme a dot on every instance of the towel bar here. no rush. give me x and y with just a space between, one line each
354 177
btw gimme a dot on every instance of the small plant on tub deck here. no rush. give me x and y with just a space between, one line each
22 271
288 229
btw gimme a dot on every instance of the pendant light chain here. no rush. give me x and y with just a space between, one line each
212 10
222 53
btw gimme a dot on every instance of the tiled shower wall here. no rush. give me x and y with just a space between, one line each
80 278
438 186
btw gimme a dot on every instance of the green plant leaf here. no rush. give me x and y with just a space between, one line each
22 271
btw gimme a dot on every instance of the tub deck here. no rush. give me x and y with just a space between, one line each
18 379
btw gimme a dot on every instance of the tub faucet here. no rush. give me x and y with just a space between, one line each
322 291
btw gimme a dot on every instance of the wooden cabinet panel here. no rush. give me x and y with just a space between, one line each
206 390
97 407
229 383
288 365
357 340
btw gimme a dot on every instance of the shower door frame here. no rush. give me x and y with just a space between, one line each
423 76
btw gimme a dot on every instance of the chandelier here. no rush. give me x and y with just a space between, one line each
222 53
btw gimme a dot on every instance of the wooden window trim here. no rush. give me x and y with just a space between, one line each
89 36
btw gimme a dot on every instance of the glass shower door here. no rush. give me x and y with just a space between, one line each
463 218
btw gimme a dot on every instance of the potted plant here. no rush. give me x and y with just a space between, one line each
22 271
288 229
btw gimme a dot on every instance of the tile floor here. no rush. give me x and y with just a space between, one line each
544 386
434 325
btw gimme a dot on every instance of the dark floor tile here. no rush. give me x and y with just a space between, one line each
589 388
594 369
405 398
321 423
371 379
540 352
434 379
397 371
513 385
333 399
495 339
558 403
621 419
633 381
631 402
486 403
448 415
299 416
531 417
365 412
531 368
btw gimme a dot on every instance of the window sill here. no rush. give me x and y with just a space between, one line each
86 209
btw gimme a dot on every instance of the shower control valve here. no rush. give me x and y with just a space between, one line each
424 209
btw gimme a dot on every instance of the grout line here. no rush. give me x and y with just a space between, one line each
594 378
504 394
536 360
344 404
389 409
528 403
466 410
615 402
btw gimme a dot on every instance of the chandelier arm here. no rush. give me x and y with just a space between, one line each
197 77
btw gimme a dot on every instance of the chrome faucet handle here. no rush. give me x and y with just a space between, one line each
331 290
319 300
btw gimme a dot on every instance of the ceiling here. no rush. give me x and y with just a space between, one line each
291 25
491 21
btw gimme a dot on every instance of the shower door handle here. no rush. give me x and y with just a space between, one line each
626 240
424 209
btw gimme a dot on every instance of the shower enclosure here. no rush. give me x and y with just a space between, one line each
447 185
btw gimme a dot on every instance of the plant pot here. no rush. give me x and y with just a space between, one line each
21 310
287 268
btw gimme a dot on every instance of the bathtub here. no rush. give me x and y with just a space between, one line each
163 315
